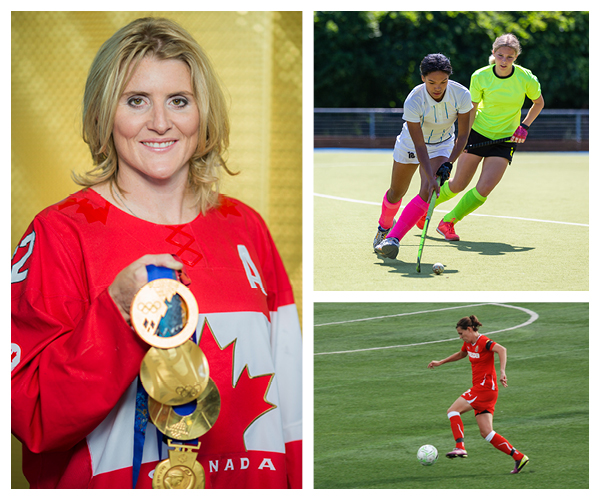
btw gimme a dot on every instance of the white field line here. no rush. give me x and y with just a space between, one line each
378 203
533 316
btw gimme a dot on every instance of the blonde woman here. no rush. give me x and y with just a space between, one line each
498 92
155 120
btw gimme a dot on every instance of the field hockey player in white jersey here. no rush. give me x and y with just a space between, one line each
427 141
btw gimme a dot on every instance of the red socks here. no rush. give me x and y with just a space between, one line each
503 445
493 437
456 425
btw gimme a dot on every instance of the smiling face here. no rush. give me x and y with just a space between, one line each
505 58
156 122
436 83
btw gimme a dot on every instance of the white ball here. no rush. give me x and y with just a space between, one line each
438 268
427 454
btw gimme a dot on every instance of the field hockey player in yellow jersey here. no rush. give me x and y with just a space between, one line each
498 92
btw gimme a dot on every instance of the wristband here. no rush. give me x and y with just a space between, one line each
526 127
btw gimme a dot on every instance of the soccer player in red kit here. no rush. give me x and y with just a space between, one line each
483 395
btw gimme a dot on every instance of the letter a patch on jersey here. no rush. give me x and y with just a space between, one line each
251 270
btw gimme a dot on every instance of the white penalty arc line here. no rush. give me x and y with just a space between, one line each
533 316
338 198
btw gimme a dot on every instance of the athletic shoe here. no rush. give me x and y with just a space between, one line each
421 221
381 234
519 464
388 248
457 453
446 229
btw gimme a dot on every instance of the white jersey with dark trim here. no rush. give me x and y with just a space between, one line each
436 118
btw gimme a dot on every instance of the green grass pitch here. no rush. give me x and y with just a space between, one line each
532 233
375 406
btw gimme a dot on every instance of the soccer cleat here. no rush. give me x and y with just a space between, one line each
457 453
446 229
421 221
381 234
519 464
388 248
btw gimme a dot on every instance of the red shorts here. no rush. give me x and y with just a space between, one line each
482 400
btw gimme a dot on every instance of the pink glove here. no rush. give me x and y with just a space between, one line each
520 135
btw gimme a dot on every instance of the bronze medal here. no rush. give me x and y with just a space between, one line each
175 376
150 306
181 470
190 426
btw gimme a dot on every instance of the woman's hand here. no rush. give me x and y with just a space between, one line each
429 185
128 282
503 379
519 135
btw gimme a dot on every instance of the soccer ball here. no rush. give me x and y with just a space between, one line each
438 268
427 454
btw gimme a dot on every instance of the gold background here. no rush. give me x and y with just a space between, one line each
258 56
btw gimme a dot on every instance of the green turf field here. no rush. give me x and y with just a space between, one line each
532 233
375 406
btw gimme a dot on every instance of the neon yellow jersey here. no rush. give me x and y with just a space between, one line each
500 99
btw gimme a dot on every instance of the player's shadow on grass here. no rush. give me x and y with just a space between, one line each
484 247
409 269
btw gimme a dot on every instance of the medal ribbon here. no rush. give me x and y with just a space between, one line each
167 327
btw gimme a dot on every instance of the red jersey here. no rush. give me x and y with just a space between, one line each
482 362
75 361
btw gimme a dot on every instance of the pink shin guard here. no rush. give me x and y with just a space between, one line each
409 217
388 212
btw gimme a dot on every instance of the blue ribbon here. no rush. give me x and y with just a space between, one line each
156 272
139 430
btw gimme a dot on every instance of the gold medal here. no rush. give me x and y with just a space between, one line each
175 376
193 425
150 305
181 470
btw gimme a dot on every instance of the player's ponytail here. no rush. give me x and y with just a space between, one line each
468 322
475 324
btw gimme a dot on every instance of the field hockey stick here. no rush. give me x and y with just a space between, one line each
432 201
487 143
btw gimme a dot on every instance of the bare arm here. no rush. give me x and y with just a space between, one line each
472 114
534 111
454 357
416 134
464 128
502 355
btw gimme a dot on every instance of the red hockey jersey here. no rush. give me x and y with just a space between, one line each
75 361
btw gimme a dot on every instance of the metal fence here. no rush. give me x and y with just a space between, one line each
553 130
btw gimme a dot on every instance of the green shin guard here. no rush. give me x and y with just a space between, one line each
445 194
470 202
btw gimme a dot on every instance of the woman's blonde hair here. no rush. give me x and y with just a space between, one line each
507 40
114 64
